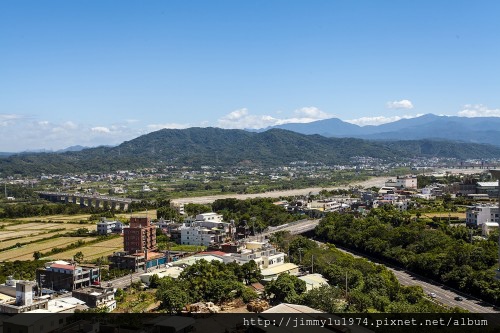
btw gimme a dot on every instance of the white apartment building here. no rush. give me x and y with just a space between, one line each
107 227
406 182
194 234
479 214
264 255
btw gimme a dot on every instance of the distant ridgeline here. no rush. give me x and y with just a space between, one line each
223 147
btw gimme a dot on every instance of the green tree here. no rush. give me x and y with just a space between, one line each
286 288
78 257
251 272
37 255
172 294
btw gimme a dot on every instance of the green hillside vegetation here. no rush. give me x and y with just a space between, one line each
435 250
222 147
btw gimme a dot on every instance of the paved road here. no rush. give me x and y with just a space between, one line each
444 295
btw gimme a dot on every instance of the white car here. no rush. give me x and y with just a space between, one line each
433 295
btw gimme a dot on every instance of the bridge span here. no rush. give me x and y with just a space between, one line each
89 200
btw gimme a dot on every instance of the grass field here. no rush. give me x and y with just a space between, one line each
26 252
33 229
94 251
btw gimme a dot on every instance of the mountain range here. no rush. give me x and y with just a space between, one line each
429 126
223 147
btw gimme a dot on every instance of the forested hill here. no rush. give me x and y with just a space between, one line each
214 146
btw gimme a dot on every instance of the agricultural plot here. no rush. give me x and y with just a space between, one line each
94 251
26 252
28 230
28 238
58 218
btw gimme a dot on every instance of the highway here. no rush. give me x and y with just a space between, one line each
444 294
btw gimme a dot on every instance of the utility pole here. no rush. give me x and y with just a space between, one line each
346 285
312 263
130 281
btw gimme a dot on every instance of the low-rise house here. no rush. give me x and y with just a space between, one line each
95 297
105 227
66 276
25 300
313 280
476 215
271 273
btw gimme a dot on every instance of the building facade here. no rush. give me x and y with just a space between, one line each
57 276
140 236
477 215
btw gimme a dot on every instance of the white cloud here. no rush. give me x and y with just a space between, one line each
8 119
312 112
379 120
478 110
43 123
100 129
156 127
69 125
242 119
402 104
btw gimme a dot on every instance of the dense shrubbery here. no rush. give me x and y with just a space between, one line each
258 212
434 249
206 281
355 284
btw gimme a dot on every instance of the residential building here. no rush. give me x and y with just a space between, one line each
66 276
406 181
271 273
206 232
96 297
486 228
489 188
140 236
313 281
105 227
477 215
25 299
122 260
264 255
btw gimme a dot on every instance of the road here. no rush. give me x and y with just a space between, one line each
444 295
124 282
372 182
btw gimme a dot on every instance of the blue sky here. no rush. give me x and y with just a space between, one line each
101 72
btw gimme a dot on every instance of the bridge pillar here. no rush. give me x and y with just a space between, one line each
74 199
97 203
82 202
105 204
66 199
113 205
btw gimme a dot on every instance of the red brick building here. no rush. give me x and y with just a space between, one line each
140 236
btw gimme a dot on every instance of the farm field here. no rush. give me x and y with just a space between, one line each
34 229
93 251
28 238
59 218
26 252
444 214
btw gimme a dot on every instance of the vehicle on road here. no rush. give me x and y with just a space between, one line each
433 295
459 298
